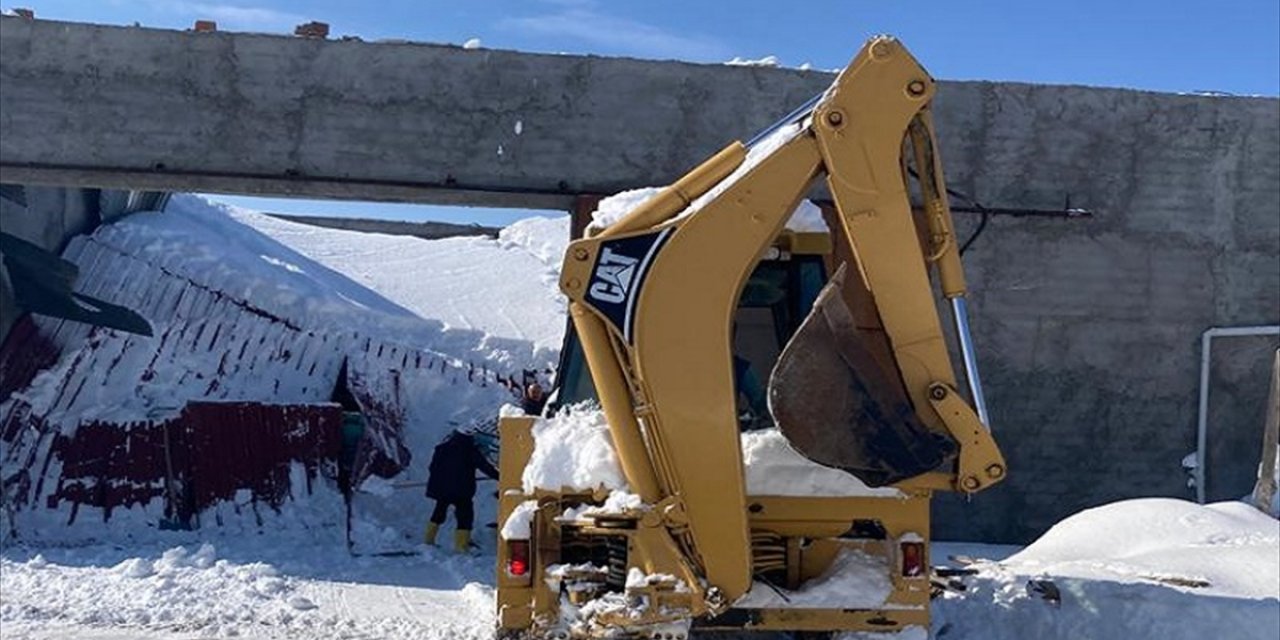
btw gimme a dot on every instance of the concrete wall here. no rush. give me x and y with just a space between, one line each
1087 329
246 113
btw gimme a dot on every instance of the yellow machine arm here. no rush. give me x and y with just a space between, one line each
653 296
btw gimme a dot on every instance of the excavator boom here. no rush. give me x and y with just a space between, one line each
869 390
670 398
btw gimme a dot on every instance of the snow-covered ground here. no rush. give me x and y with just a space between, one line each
252 588
1155 568
1152 568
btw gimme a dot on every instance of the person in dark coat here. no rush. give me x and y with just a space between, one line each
534 400
452 482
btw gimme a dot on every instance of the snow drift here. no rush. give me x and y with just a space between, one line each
1146 568
573 451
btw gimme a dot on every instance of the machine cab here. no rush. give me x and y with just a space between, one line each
775 300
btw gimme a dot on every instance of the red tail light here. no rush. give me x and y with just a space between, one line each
518 557
912 559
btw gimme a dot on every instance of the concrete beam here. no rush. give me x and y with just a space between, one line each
94 105
152 109
424 230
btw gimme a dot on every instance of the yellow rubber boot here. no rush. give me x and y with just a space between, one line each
462 540
429 536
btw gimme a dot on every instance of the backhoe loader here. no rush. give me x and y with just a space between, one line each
664 303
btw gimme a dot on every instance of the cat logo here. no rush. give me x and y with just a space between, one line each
618 276
613 277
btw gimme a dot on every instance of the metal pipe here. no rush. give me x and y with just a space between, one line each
960 315
1025 213
1202 418
796 115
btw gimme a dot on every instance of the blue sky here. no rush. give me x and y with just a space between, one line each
1230 46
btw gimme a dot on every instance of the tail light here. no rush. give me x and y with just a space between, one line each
518 557
912 559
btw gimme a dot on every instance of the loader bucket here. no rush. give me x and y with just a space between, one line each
836 405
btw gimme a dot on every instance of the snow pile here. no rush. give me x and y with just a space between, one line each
773 468
232 250
519 525
378 486
303 590
544 238
1147 568
180 589
1230 545
808 219
617 502
612 209
620 501
767 61
495 298
573 451
855 580
637 579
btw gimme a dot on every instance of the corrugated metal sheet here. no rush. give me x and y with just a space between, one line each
381 451
210 452
105 465
24 353
220 449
